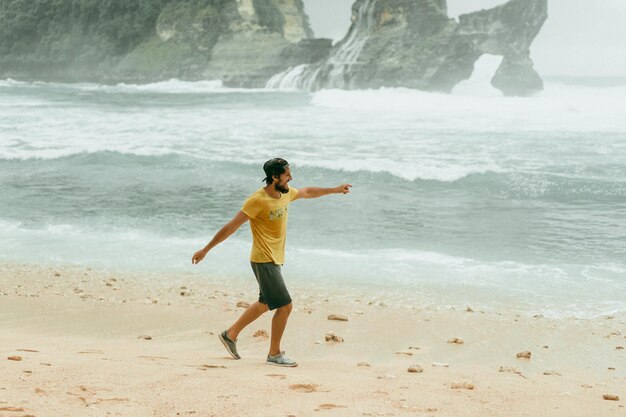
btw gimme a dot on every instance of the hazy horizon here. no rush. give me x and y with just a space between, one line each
578 39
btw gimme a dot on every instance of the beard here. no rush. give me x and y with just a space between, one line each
283 189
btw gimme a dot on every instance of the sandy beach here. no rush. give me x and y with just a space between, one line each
81 342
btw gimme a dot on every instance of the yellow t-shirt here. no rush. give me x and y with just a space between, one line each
268 222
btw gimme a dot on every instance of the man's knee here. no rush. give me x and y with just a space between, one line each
286 309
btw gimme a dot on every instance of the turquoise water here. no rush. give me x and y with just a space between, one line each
469 198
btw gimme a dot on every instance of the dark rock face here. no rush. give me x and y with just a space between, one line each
413 43
245 43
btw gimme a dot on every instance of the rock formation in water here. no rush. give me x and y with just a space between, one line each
245 43
413 43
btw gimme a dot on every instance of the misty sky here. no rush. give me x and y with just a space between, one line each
581 37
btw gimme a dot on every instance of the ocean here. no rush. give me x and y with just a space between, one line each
462 199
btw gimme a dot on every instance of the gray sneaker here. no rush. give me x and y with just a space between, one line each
230 345
280 360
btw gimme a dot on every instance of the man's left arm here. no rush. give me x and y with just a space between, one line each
315 192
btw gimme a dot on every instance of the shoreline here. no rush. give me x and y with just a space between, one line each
96 343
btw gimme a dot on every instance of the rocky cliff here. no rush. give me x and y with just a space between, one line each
245 43
413 43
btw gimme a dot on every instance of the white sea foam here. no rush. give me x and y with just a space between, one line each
424 169
172 86
559 108
9 82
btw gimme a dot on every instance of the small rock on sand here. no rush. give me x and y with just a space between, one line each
145 337
552 372
337 317
14 358
404 352
261 333
509 369
243 304
462 385
586 386
333 337
415 369
456 341
363 364
523 355
610 397
441 364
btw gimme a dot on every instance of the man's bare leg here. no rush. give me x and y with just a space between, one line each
279 322
251 314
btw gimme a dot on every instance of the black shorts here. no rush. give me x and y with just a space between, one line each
272 289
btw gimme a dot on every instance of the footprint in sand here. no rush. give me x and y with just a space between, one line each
303 387
277 376
153 358
329 407
204 367
95 351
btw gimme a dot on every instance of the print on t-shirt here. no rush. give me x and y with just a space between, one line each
278 213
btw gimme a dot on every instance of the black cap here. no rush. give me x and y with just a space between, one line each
273 167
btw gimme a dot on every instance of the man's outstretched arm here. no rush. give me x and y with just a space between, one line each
314 192
228 229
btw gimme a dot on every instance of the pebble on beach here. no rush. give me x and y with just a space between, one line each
551 372
462 385
610 397
415 369
456 341
14 358
333 337
145 337
363 364
441 364
261 333
524 355
509 369
337 317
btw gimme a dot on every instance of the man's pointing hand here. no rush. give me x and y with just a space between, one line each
344 188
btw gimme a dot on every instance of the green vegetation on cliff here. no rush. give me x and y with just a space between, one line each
56 31
150 40
44 36
269 15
